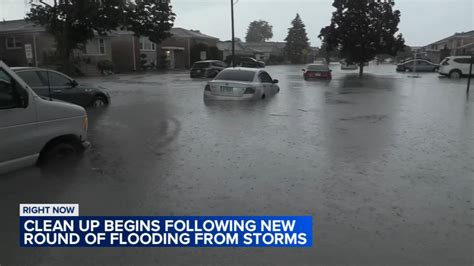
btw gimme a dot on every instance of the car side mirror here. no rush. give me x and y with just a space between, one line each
74 83
275 81
24 98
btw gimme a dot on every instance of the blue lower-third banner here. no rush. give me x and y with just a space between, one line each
174 231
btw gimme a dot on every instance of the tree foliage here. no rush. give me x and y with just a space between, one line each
151 18
362 29
259 31
327 52
297 42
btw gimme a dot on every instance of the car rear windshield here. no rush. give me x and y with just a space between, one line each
236 75
318 68
201 65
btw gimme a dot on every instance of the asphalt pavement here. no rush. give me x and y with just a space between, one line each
384 164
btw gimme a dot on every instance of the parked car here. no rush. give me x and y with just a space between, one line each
346 66
422 65
207 69
455 66
317 71
248 62
240 84
33 128
53 84
320 61
412 58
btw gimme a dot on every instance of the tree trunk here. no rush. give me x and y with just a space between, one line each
65 52
361 70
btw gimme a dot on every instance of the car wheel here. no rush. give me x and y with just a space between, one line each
455 74
263 96
99 101
436 69
61 153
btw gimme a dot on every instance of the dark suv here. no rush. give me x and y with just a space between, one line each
207 69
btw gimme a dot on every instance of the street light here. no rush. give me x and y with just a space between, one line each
233 33
232 4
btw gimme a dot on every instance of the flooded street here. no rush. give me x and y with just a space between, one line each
384 164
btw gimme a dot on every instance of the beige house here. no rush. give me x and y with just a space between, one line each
457 44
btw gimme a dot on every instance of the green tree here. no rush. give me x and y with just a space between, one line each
74 22
327 52
363 29
404 53
297 42
259 31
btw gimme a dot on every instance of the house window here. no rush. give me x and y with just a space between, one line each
13 43
101 46
146 44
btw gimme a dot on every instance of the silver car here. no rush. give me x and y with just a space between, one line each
241 84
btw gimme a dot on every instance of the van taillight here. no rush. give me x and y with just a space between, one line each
249 91
207 88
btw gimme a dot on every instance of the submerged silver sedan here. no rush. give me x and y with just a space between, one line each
241 84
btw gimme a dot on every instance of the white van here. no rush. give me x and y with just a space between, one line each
32 127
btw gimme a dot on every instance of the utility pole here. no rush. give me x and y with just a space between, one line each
233 33
470 74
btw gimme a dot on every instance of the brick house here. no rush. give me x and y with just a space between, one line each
24 44
130 53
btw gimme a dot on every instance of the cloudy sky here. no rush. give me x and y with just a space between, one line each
422 22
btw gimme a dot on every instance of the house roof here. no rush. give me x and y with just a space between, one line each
239 46
456 35
466 46
266 47
184 33
19 25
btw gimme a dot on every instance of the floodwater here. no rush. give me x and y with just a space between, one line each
384 164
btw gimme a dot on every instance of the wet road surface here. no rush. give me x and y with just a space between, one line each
383 164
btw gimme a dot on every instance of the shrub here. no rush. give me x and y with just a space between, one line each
105 66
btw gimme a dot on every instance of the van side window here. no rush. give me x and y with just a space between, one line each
7 92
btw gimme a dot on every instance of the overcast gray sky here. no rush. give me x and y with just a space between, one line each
422 21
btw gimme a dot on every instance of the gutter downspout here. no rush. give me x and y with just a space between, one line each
35 51
134 55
